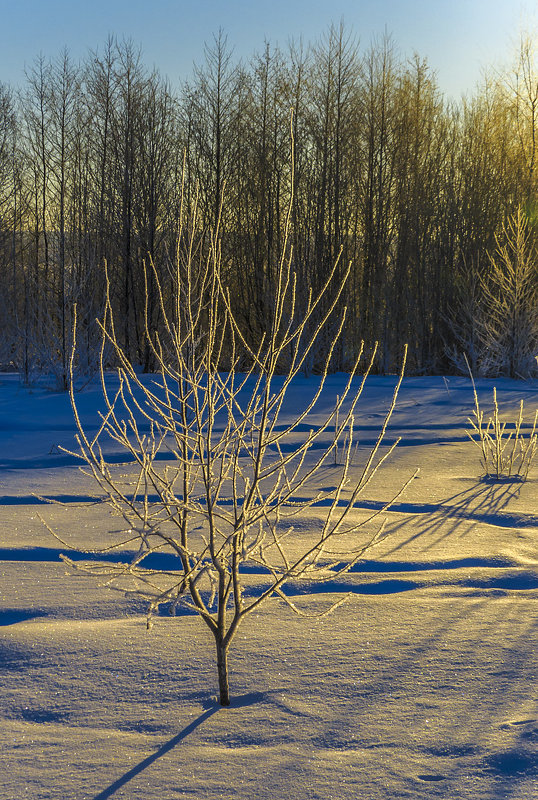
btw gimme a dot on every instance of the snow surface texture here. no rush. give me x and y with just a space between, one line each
424 685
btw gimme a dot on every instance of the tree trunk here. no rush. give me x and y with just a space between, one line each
222 667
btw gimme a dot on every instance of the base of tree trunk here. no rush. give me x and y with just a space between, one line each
222 668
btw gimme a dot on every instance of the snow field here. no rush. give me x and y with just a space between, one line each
423 685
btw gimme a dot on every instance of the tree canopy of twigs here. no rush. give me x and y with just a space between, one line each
218 472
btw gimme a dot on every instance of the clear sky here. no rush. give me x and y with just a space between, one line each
458 37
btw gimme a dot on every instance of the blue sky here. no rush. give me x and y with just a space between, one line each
458 37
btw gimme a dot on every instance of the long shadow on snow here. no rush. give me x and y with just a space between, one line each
11 616
520 580
169 561
238 702
34 500
51 460
421 566
162 561
492 498
369 443
59 459
147 762
482 503
516 580
488 510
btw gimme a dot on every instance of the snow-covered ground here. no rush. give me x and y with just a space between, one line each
424 685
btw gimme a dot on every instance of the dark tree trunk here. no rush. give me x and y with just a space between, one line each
222 668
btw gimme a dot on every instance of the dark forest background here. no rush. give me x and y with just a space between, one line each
433 202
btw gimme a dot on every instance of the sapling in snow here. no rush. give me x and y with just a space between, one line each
506 453
218 472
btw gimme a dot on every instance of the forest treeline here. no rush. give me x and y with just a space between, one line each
418 193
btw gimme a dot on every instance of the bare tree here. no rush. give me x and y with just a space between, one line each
100 97
379 80
62 146
9 201
521 89
210 106
334 119
218 471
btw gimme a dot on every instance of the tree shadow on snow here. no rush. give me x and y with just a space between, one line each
484 502
147 762
211 706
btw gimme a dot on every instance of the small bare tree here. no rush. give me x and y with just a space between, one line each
218 475
506 453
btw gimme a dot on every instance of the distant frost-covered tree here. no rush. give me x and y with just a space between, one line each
510 302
